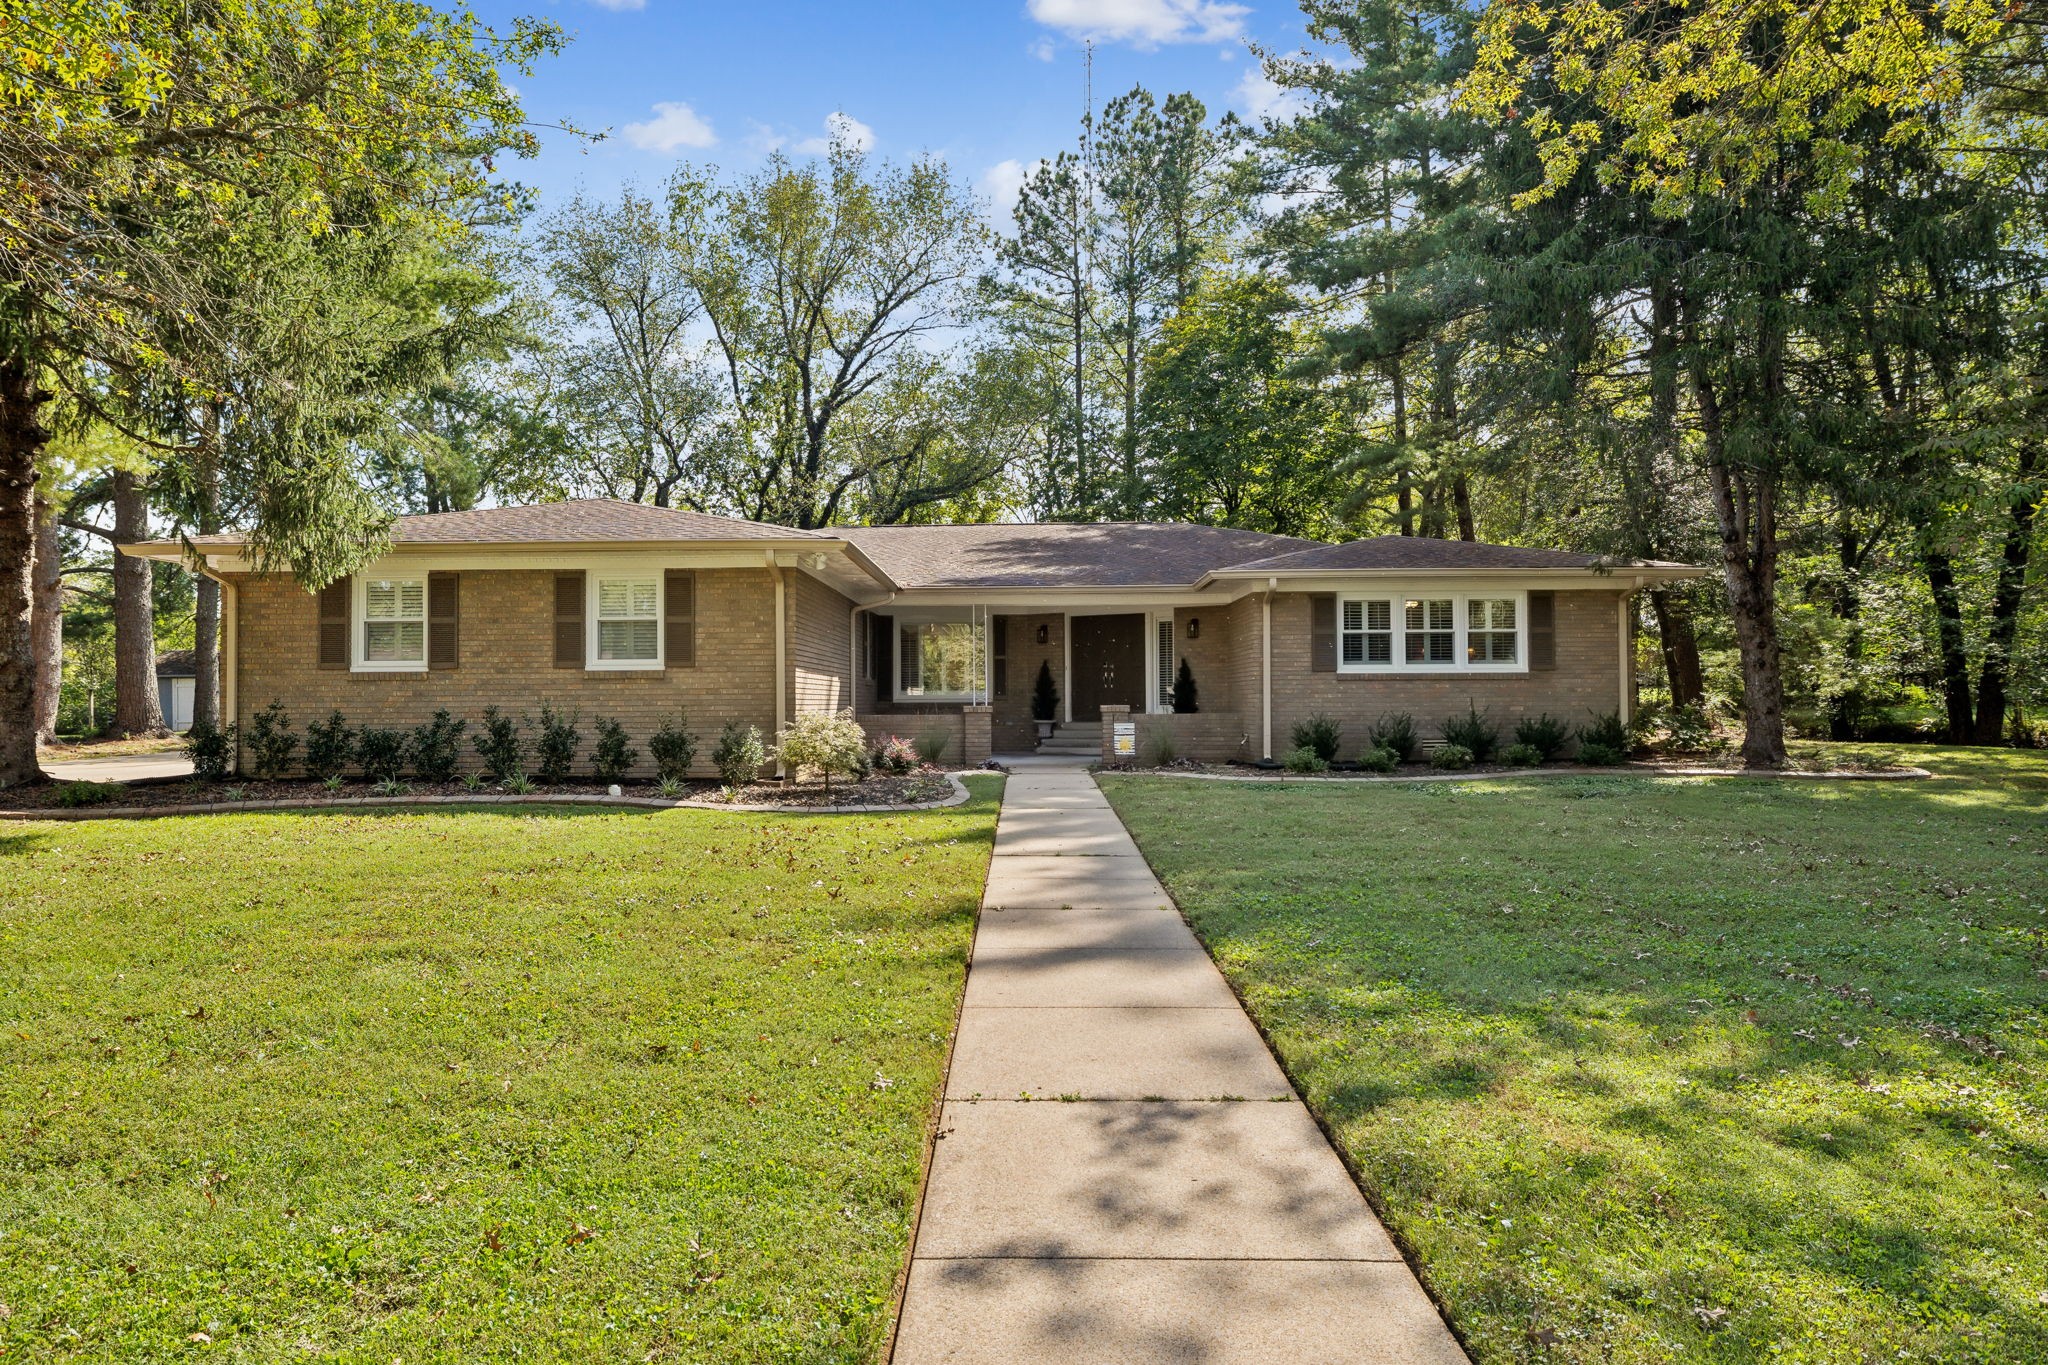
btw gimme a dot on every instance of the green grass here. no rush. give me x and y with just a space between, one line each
474 1085
1680 1069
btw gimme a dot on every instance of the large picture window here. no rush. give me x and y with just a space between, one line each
1431 633
394 623
939 660
629 622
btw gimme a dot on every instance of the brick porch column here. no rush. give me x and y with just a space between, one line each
1110 716
976 735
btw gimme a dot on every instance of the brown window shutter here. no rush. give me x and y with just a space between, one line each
1543 630
679 606
444 620
334 601
569 620
1322 628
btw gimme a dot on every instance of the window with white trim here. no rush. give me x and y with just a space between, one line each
1447 633
1490 634
628 622
939 660
1366 634
1430 630
394 623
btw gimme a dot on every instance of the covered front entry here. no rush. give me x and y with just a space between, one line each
1108 663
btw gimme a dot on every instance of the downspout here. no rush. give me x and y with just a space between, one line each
1266 674
1628 694
781 656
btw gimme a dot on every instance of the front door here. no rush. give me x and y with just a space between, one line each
1109 663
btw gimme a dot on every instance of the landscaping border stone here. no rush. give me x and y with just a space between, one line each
959 796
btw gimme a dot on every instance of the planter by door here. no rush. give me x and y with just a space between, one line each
1109 664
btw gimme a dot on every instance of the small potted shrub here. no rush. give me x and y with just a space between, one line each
1186 700
1045 702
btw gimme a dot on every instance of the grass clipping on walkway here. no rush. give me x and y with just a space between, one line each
1647 1070
472 1085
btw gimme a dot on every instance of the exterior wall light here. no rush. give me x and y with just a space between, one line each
1044 632
1194 627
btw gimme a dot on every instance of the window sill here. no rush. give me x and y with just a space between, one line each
376 670
1446 671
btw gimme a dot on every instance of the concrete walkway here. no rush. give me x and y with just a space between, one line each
1123 1173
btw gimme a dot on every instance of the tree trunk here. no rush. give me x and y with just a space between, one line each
2005 602
1745 510
1679 642
1461 499
206 608
137 708
46 630
1845 713
21 442
1955 658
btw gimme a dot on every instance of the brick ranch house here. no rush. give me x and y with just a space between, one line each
634 612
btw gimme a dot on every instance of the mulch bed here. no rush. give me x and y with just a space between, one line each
1677 765
909 789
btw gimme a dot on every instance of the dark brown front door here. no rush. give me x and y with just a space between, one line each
1109 663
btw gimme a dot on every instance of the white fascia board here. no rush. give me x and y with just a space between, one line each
1459 580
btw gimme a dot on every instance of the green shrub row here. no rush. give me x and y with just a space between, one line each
519 751
1469 739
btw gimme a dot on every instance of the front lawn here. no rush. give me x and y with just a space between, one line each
1652 1069
472 1085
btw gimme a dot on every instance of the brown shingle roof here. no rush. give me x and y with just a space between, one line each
1417 552
1059 554
593 520
583 519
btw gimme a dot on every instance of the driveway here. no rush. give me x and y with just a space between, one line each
125 769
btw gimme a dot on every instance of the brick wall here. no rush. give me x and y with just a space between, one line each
507 660
820 645
1586 681
1013 731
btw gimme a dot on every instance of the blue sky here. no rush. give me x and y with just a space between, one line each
990 85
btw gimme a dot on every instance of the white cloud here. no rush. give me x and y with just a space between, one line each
1266 99
1042 49
620 5
1001 184
840 127
673 125
1144 23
